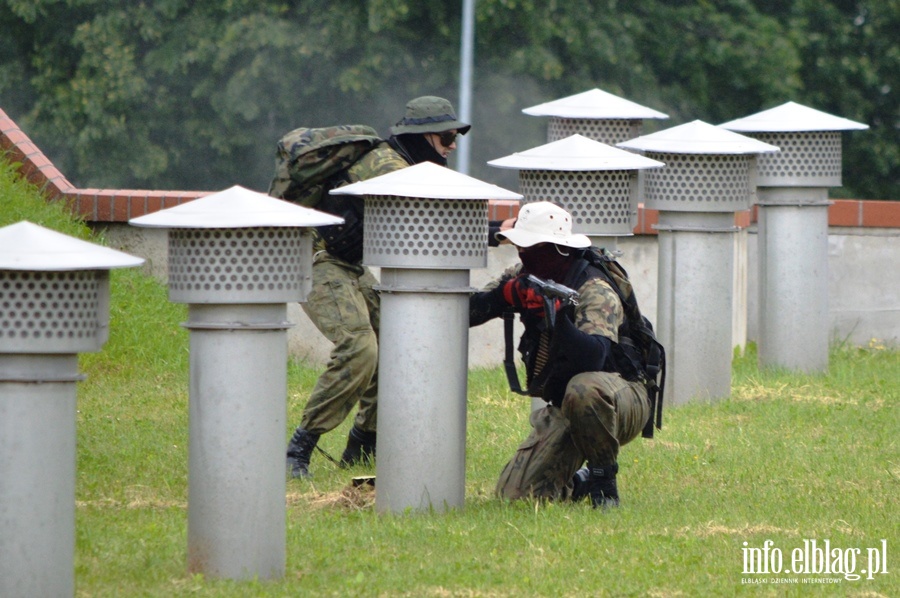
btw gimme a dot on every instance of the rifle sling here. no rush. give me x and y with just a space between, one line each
509 361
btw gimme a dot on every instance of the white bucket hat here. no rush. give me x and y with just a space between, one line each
544 222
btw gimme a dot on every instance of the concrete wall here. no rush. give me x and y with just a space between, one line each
863 285
864 288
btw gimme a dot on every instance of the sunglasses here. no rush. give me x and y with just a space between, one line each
447 138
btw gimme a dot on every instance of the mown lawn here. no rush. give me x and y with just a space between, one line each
788 458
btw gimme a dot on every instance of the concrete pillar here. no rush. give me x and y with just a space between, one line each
426 227
793 231
54 304
237 258
707 179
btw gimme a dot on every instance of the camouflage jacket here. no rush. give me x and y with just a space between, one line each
349 236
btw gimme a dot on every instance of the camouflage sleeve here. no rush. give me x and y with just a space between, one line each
488 303
599 310
507 274
381 160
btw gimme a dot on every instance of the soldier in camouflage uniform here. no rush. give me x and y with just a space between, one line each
343 303
592 408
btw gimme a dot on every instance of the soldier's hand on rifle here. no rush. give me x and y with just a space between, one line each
524 297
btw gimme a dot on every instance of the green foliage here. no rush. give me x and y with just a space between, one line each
718 60
851 67
193 95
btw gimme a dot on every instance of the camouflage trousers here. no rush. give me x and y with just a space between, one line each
600 412
345 308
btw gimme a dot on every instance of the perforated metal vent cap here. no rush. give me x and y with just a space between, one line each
251 265
700 183
575 153
601 202
811 158
698 137
791 117
425 233
594 103
53 312
29 246
604 130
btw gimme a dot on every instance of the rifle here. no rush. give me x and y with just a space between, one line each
552 291
556 296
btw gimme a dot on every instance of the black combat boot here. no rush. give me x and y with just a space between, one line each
299 451
603 486
360 447
580 484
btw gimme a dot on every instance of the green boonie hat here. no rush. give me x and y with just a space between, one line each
429 114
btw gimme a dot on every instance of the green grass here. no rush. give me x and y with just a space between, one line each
20 200
788 457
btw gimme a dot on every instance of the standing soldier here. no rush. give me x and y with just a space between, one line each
343 304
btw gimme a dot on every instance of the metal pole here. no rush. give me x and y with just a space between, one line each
37 475
237 257
422 376
466 61
54 293
236 486
694 305
426 227
792 192
793 278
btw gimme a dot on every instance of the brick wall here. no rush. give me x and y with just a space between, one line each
120 205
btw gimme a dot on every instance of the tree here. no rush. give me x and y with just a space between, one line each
851 68
193 95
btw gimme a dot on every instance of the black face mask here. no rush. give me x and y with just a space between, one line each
545 261
415 147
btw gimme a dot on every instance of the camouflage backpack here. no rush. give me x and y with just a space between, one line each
637 344
309 162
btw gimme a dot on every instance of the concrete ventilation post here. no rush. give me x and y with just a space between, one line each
54 304
707 179
605 118
793 230
596 183
426 227
237 258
